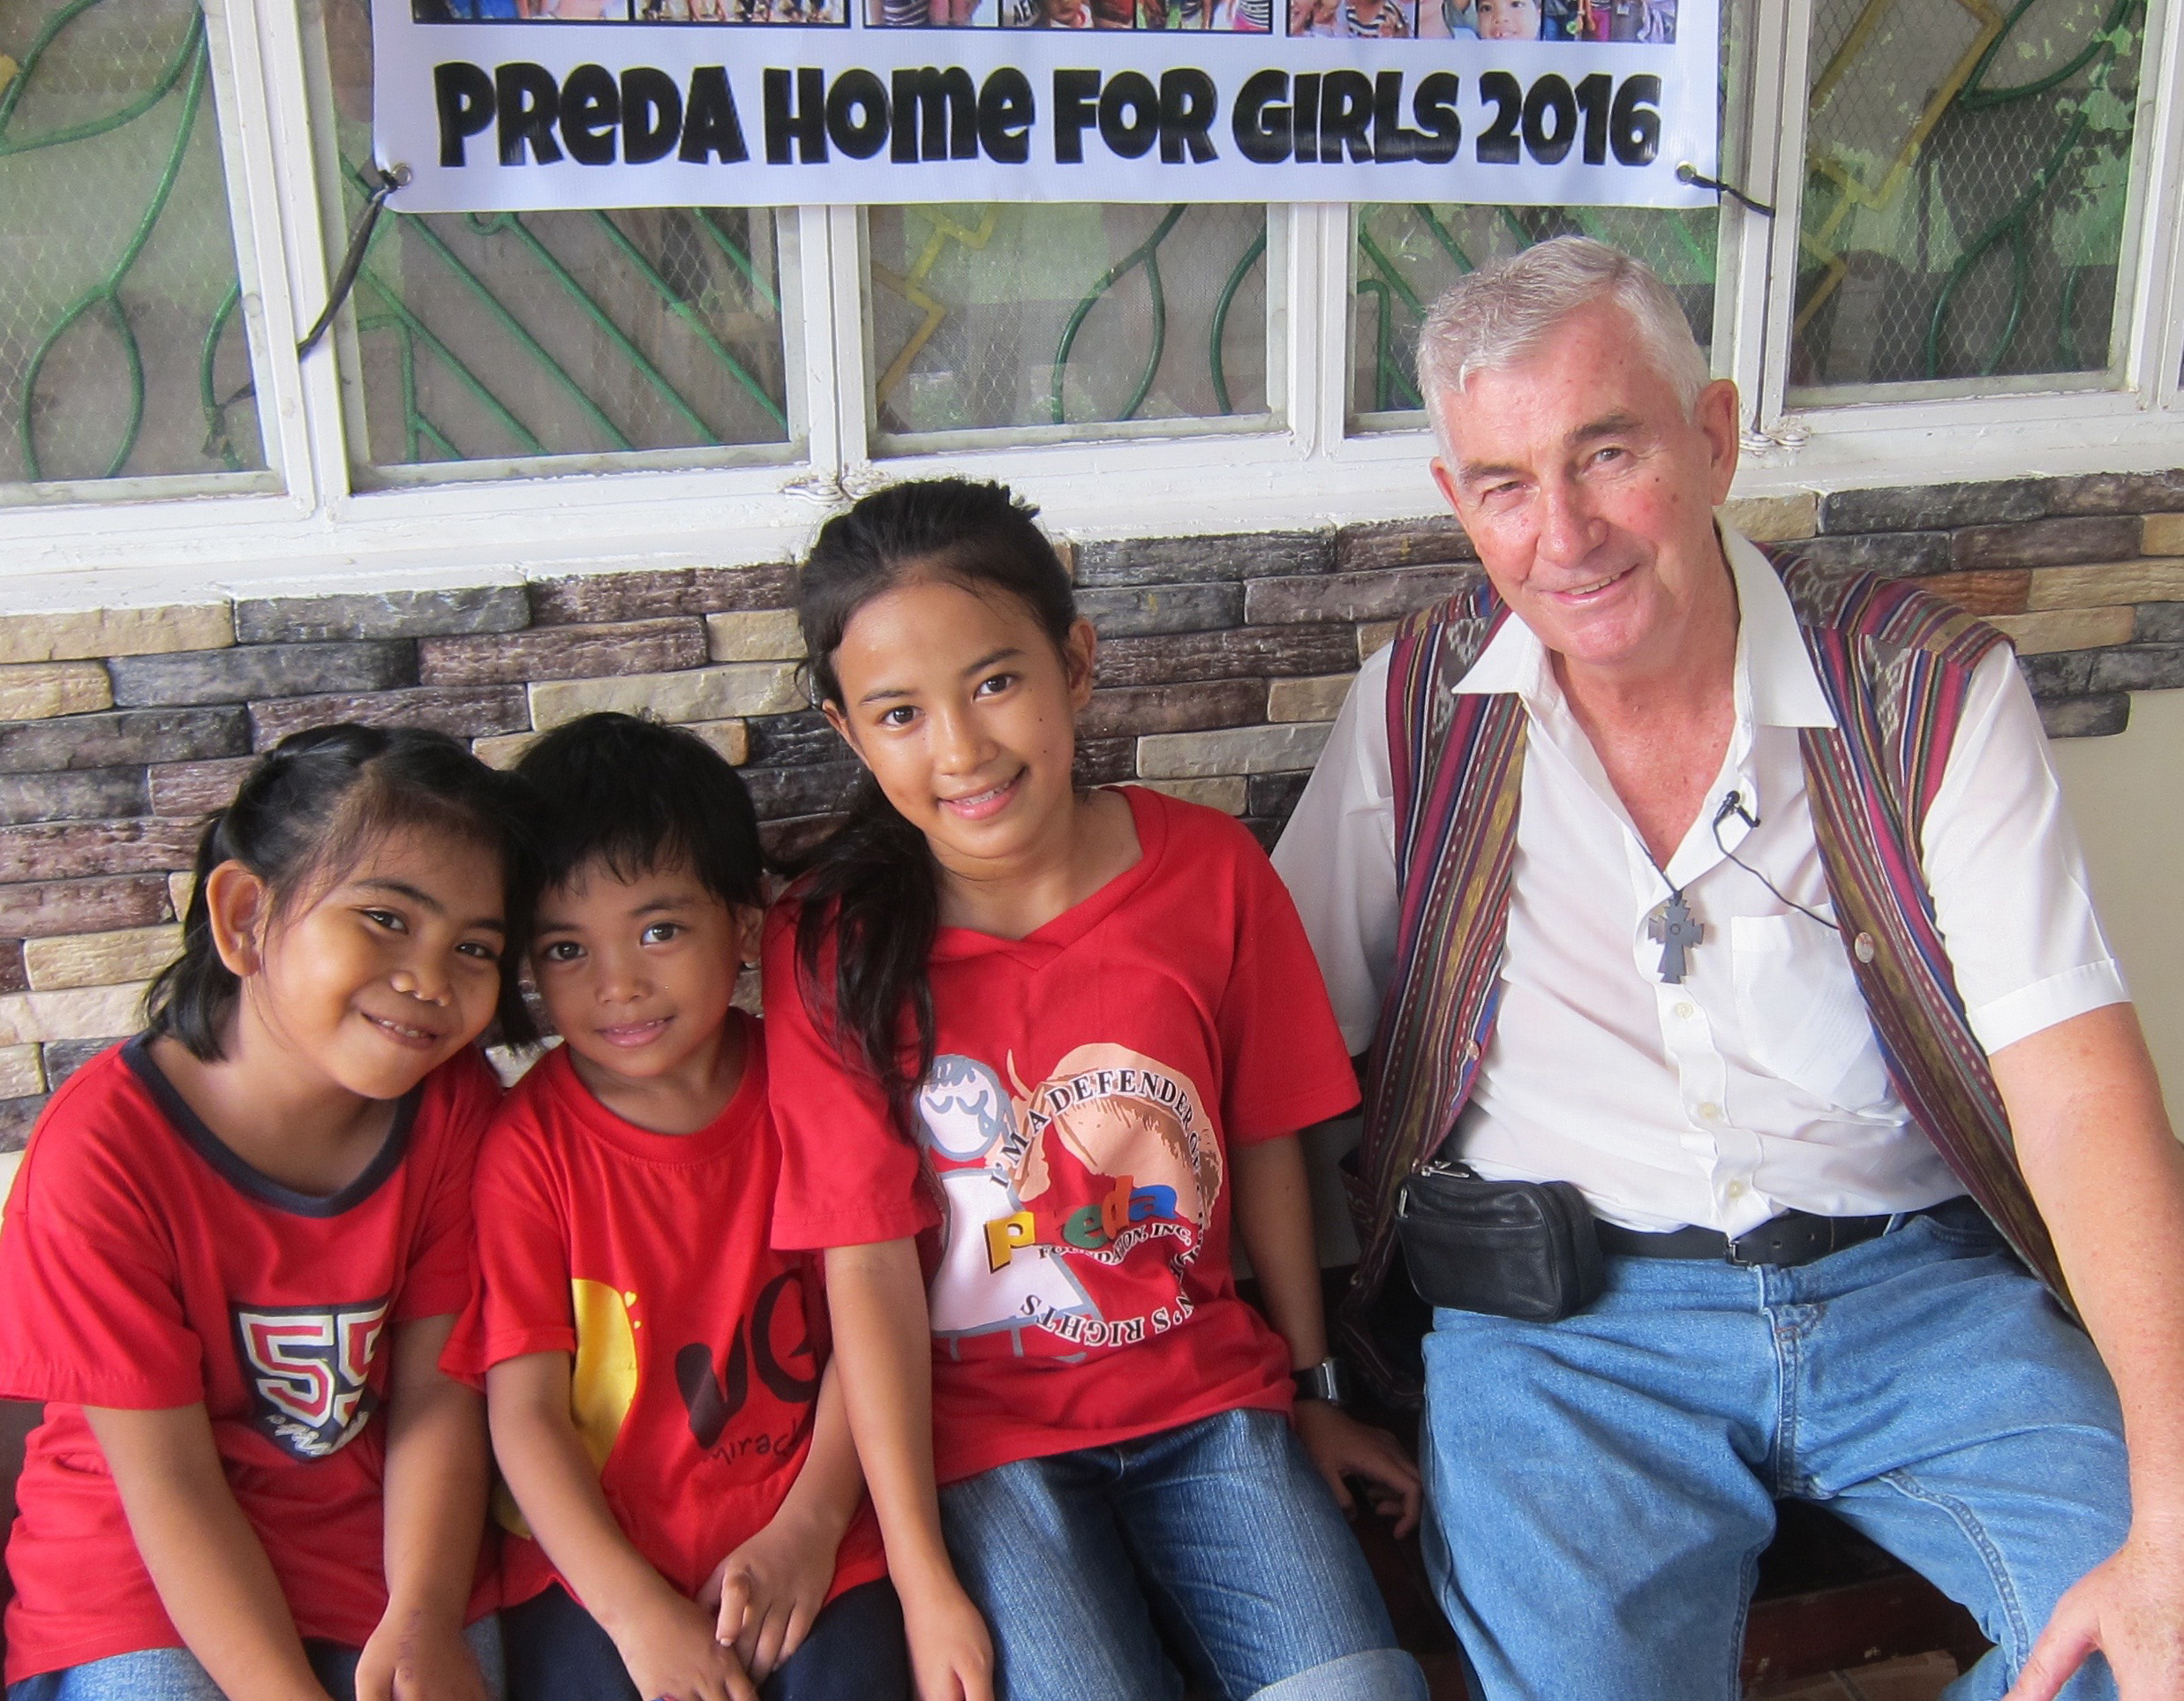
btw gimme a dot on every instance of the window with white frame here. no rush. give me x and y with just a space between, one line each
1971 270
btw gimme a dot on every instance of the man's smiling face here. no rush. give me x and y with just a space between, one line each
1589 492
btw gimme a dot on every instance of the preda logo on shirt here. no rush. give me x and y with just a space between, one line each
1111 1151
310 1373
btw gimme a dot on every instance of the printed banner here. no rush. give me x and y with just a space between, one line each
521 104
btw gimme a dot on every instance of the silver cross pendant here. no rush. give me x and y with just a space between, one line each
1676 930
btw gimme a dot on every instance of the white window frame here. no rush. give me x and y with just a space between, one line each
301 525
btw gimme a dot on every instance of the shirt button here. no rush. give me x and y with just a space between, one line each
1685 1011
1711 1111
1735 1190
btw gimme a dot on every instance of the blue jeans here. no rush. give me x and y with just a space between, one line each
1600 1489
854 1651
1220 1534
174 1675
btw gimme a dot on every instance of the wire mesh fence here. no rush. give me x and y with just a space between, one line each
1968 170
122 347
492 336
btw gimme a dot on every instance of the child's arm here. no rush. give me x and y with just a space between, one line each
771 1587
666 1642
1273 1213
883 1345
435 1515
205 1561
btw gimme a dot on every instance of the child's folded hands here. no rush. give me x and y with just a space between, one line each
769 1590
672 1655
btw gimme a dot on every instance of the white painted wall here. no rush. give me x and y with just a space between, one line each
2127 796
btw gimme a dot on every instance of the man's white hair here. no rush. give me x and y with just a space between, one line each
1504 313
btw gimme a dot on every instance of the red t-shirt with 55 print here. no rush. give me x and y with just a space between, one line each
145 1266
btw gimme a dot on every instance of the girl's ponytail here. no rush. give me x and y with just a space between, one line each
870 889
302 816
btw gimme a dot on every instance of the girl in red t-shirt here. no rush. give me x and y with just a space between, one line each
1027 1045
238 1243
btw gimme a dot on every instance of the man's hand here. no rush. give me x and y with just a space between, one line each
1343 1448
951 1651
768 1592
669 1650
414 1656
2131 1608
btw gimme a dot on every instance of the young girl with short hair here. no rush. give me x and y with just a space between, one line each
237 1244
1029 1048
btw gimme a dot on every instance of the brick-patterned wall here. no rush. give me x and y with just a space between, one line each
1223 661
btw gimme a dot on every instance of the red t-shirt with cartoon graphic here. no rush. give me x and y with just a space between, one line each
697 1346
1088 1082
146 1266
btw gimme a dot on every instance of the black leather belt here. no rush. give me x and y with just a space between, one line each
1793 1238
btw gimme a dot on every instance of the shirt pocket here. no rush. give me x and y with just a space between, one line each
1803 1015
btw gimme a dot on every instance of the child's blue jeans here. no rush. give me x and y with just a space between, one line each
854 1651
1220 1534
1600 1487
174 1675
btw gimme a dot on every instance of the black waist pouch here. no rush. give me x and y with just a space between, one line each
1521 1249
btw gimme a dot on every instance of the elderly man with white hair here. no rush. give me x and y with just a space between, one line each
1729 921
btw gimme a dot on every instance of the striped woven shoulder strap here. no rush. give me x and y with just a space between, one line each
1895 663
1455 761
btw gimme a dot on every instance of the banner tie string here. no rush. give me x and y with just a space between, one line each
1690 174
359 239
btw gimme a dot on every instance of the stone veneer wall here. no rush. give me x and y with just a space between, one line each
1223 661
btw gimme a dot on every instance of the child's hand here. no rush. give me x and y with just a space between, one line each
768 1592
669 1651
951 1652
1342 1447
409 1657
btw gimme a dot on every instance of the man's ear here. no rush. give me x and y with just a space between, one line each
1715 415
240 905
1445 481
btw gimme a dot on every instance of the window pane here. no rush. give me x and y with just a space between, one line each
1967 169
1081 318
486 337
1407 255
122 347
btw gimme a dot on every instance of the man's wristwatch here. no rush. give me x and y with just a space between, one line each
1328 1381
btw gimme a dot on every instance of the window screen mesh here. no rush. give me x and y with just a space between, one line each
1967 170
518 335
122 347
1068 315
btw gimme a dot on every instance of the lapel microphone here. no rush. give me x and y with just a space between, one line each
1733 804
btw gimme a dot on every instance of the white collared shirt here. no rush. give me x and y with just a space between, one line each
1756 1085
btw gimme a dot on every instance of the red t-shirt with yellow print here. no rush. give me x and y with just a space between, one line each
697 1347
